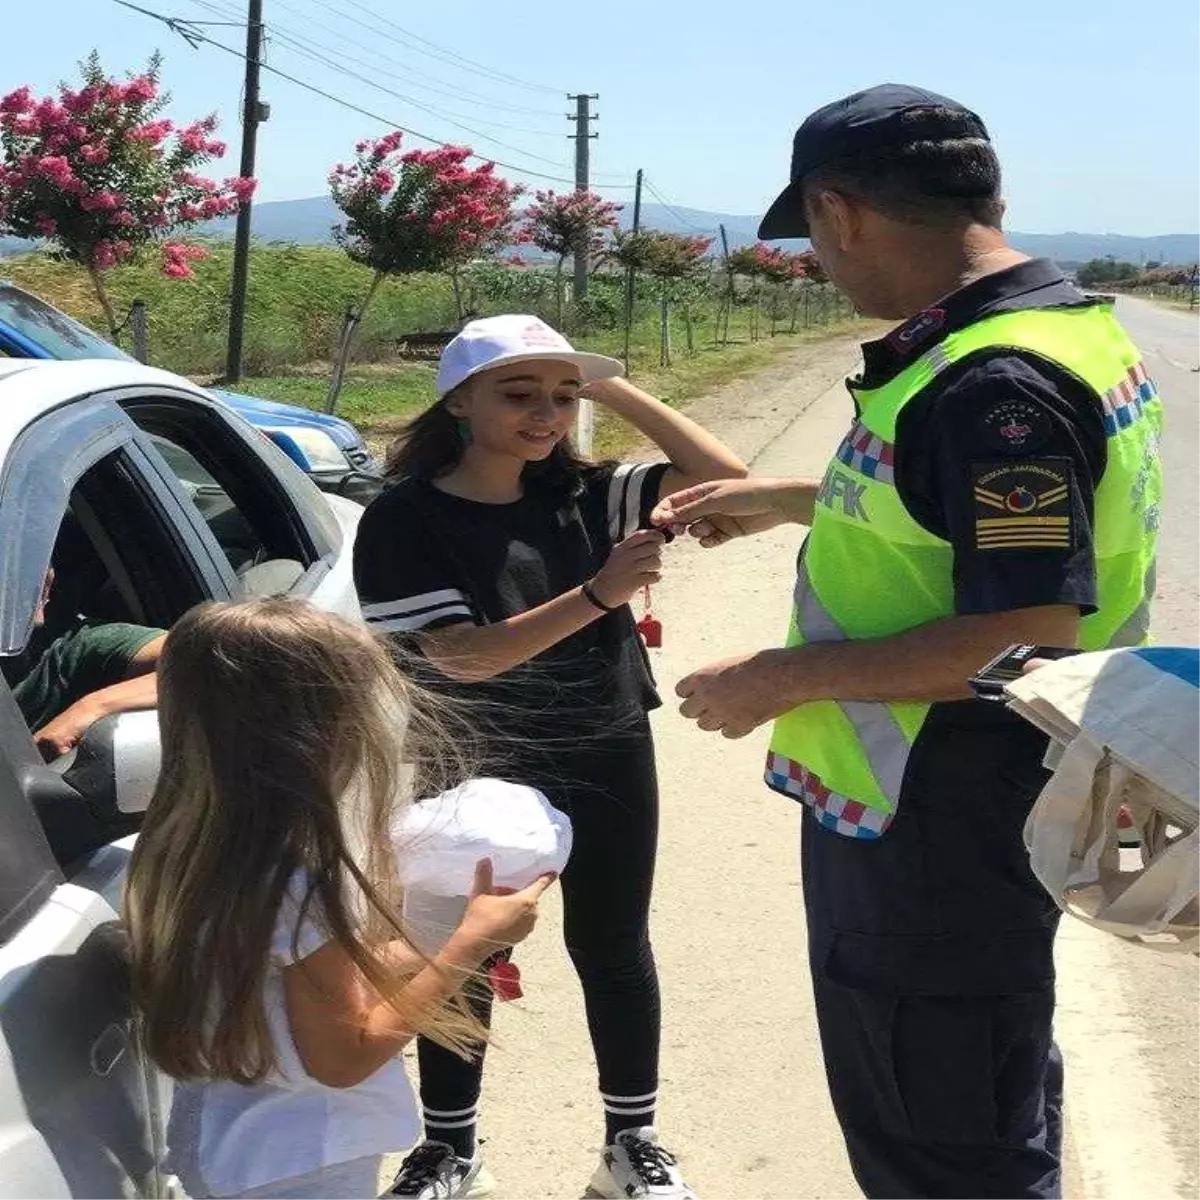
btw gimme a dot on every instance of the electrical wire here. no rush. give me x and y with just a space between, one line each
447 55
673 211
400 71
195 38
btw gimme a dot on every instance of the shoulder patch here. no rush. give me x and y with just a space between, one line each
916 331
1024 505
1015 427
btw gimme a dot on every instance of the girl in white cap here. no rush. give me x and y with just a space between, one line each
508 564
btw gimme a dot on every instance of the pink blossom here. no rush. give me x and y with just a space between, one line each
104 256
152 132
142 88
102 201
123 220
384 182
178 270
55 168
243 189
20 101
94 155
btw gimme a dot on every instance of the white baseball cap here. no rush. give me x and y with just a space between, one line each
498 341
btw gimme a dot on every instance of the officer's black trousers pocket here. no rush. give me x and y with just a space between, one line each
966 1070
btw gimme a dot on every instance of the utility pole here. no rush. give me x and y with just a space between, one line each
629 273
254 112
582 116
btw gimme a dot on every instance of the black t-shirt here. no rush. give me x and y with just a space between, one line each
995 423
425 560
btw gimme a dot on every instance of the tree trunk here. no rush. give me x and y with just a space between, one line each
110 315
664 357
558 292
687 324
456 284
349 329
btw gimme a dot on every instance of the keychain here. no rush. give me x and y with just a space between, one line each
650 627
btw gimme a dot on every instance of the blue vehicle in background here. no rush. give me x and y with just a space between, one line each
329 449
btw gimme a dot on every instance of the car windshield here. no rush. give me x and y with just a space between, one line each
59 335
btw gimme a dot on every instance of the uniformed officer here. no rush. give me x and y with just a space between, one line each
999 483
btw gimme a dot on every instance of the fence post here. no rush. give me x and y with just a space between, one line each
141 341
349 321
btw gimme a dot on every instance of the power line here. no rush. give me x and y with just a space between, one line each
297 48
674 212
451 57
194 37
303 46
402 72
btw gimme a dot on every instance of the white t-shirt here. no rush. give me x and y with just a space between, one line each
225 1138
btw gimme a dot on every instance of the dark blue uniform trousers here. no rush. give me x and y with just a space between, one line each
931 951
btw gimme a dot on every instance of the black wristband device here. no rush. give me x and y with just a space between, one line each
590 596
988 682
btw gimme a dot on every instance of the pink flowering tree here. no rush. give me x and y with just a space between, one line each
571 224
99 173
416 210
677 263
421 210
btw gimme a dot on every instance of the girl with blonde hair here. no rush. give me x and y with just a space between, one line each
270 968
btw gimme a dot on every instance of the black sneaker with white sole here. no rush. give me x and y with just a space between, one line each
434 1172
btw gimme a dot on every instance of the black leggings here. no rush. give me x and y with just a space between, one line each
609 789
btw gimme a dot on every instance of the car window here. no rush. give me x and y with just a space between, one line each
263 561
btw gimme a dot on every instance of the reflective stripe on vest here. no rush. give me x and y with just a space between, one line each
869 570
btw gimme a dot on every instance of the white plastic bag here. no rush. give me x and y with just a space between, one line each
439 841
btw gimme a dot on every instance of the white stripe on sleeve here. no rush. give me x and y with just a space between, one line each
625 499
411 604
420 620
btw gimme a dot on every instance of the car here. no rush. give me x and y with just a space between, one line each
146 495
328 448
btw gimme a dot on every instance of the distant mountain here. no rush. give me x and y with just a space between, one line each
310 221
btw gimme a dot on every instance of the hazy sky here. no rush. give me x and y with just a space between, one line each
1093 105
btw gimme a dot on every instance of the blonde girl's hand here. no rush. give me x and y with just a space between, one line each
497 918
632 564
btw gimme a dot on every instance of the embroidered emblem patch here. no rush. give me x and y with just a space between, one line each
1023 506
1015 427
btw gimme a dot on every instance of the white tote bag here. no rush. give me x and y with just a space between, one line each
1126 727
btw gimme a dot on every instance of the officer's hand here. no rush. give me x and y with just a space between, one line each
736 695
716 512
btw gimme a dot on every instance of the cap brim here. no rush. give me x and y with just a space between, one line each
592 367
785 218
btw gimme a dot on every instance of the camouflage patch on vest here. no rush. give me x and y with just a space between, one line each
1024 505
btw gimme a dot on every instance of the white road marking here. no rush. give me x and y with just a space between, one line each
1117 1143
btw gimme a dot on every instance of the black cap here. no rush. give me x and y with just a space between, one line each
867 120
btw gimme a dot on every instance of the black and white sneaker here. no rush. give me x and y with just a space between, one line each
635 1165
434 1172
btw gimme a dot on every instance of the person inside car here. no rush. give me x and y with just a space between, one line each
63 684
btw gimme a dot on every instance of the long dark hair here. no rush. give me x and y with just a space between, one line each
432 444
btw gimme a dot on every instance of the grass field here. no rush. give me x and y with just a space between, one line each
297 297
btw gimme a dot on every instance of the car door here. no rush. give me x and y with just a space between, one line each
81 1109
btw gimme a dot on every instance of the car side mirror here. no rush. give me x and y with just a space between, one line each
117 762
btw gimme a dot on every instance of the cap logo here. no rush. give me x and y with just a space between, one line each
535 334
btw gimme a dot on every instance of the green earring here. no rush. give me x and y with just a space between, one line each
464 431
